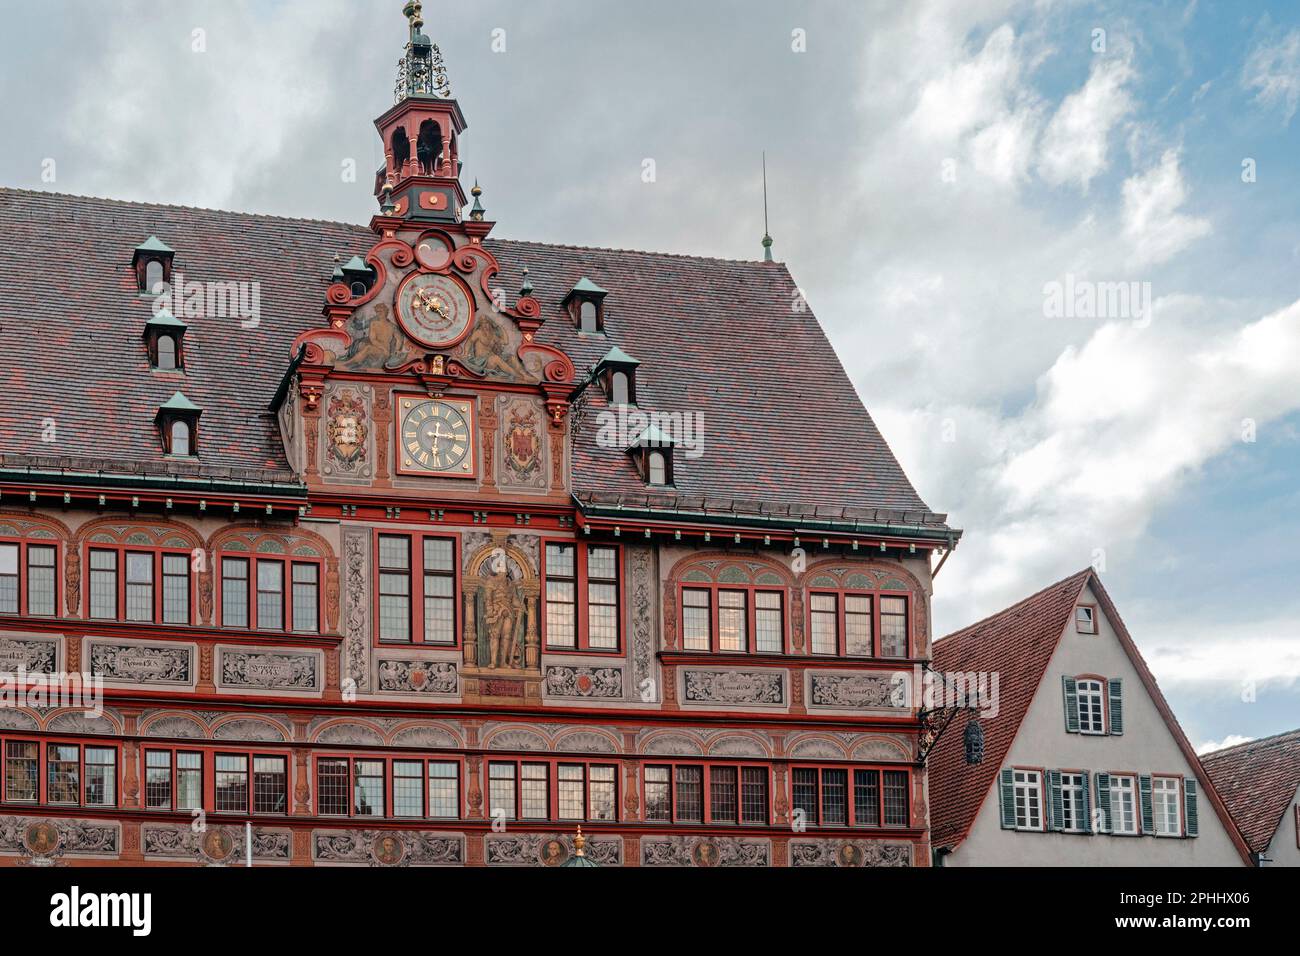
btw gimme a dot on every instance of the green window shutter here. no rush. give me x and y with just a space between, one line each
1071 705
1086 803
1116 694
1007 796
1103 802
1056 802
1189 798
1148 820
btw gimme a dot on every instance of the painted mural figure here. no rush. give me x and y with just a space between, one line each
487 350
501 622
377 342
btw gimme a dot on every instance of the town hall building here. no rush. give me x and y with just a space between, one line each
446 550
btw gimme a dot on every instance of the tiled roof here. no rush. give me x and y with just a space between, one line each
1257 781
784 430
1017 644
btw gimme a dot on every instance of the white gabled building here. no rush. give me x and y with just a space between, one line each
1084 763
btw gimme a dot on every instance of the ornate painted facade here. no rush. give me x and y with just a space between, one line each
394 597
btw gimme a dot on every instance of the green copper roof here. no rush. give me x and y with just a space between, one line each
356 264
586 285
154 244
165 318
179 403
578 861
616 356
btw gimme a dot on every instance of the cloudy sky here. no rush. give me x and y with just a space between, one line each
937 171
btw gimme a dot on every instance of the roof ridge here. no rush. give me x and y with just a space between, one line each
19 190
1270 741
1007 610
640 252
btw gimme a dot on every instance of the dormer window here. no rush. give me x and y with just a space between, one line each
152 263
653 454
178 424
1085 619
586 306
358 276
617 371
164 337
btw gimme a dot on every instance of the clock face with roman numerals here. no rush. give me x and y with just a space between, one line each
436 437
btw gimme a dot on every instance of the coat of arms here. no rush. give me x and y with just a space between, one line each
346 430
523 446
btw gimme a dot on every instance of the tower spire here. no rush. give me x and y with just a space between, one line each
767 235
420 71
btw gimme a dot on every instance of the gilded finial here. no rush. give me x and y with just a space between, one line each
476 211
579 843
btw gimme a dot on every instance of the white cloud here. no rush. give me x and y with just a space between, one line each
1231 740
1272 70
1154 227
1076 144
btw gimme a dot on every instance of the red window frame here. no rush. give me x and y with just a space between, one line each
287 563
553 787
841 634
751 616
174 771
122 551
24 546
850 794
43 745
210 780
581 597
389 781
707 769
416 574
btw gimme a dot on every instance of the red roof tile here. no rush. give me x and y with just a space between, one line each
1257 781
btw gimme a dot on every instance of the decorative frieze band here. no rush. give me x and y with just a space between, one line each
388 847
849 853
36 655
602 683
880 691
766 687
257 668
418 677
549 849
135 662
705 851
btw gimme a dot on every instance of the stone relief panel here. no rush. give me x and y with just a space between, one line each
135 662
879 691
705 851
670 743
549 849
36 655
757 687
584 682
387 848
44 841
258 668
249 728
173 725
348 451
215 846
849 853
422 677
642 585
356 592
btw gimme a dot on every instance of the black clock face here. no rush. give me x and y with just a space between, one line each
437 437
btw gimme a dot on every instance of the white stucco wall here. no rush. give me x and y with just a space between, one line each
1147 746
1284 851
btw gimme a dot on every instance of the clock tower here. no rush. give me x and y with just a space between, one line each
420 179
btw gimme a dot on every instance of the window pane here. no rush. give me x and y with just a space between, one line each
602 615
571 793
8 579
101 776
602 563
103 584
234 592
857 627
408 788
63 783
535 788
394 588
270 596
270 785
438 555
732 621
158 780
561 596
306 598
866 798
825 624
769 622
753 806
896 798
439 592
189 781
368 788
893 627
40 580
139 587
696 624
444 790
332 786
232 782
20 770
176 588
658 802
602 796
803 781
1091 716
835 802
690 794
723 802
501 790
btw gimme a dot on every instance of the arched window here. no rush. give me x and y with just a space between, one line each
587 317
180 438
153 275
166 353
359 289
658 468
618 391
428 149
